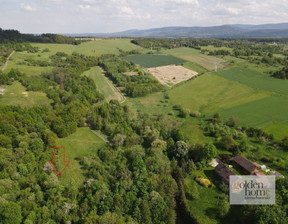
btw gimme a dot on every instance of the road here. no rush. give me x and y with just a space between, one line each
6 63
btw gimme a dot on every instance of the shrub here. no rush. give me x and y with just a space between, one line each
203 181
195 114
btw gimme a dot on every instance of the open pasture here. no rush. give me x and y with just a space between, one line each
150 60
260 113
195 56
210 93
16 94
255 79
82 143
91 48
171 74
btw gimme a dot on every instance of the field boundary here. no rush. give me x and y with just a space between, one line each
7 60
115 89
100 135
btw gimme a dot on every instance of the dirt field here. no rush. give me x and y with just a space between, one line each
172 74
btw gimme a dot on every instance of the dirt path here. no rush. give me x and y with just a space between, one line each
121 98
6 63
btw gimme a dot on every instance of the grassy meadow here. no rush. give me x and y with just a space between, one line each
195 56
104 85
83 142
255 79
210 93
16 94
92 48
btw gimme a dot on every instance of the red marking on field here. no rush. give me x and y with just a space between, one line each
66 162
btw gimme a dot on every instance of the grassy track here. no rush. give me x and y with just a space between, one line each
195 56
255 79
150 61
104 85
82 143
16 95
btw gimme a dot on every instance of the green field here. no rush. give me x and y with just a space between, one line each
150 60
195 56
104 85
260 113
92 48
89 48
204 208
83 142
210 93
16 95
255 79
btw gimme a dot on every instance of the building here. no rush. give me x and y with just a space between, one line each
277 174
224 172
245 165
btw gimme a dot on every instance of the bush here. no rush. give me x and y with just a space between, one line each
195 114
203 181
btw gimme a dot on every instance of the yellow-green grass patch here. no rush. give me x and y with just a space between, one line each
82 143
279 130
16 94
195 56
209 93
206 212
92 48
104 85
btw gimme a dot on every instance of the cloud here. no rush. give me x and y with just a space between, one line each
126 10
89 1
84 7
28 8
118 15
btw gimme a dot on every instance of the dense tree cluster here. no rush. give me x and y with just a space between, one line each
134 85
8 36
281 74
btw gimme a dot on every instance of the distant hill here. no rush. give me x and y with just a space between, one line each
224 31
16 36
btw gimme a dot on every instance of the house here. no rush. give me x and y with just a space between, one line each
259 174
224 172
245 165
277 174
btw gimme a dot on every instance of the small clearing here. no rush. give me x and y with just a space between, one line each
172 74
131 73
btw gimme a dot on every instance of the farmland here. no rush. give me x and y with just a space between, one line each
172 74
225 94
255 79
150 61
258 113
91 48
196 57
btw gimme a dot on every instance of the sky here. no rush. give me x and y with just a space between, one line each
105 16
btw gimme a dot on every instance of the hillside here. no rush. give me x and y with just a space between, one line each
224 31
